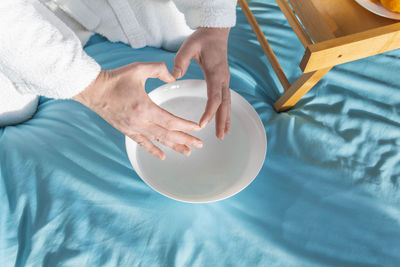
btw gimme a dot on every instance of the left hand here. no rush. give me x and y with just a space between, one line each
209 47
119 97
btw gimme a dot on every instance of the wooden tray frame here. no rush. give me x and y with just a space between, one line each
323 49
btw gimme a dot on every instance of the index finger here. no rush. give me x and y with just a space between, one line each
172 122
154 70
215 86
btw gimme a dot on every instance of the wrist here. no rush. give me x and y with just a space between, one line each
91 96
214 35
220 32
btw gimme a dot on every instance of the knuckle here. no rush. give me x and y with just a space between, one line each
167 135
135 124
192 141
134 136
169 124
226 101
162 137
130 122
140 140
139 108
141 143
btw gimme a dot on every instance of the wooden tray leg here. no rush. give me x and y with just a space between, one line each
299 89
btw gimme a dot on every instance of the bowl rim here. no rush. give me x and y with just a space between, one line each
133 147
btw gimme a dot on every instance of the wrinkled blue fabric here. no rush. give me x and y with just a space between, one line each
328 193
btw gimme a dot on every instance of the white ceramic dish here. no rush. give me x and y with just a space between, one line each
218 170
378 9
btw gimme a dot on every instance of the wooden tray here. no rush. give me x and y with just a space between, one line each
332 32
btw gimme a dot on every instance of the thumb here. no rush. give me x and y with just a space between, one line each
182 61
155 70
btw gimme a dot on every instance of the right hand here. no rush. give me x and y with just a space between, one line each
119 97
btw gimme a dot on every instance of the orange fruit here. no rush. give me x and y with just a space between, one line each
392 5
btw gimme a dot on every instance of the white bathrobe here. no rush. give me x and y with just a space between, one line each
41 41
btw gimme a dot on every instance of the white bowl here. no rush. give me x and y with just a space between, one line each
218 170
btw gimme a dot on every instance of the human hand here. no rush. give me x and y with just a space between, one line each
119 97
208 46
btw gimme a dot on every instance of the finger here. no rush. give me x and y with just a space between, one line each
164 136
214 94
172 122
182 60
183 149
228 120
222 114
154 70
148 145
159 135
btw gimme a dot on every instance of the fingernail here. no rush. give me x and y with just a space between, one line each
221 136
203 125
199 144
197 128
187 153
177 73
162 157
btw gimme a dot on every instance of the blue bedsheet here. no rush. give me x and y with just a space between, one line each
328 193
